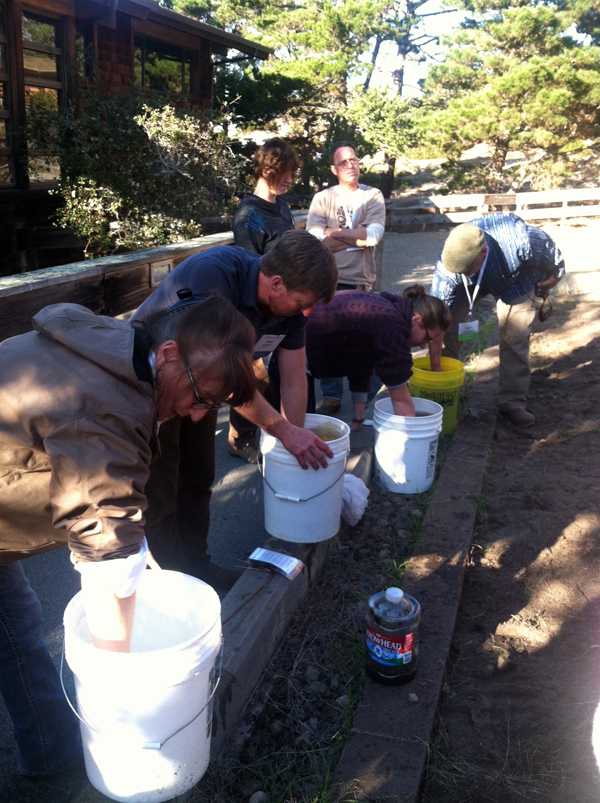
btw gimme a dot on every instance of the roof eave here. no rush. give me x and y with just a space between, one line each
152 11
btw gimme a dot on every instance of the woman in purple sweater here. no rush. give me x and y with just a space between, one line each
358 334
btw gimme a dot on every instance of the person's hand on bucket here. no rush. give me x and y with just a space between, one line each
108 589
308 449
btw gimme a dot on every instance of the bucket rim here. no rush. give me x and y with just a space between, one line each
311 418
75 612
454 364
270 443
385 400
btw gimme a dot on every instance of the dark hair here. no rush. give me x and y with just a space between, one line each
434 312
274 159
303 263
210 331
337 145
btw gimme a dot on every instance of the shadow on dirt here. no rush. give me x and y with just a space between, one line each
524 680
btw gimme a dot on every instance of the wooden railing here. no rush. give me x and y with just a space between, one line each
109 285
433 211
116 284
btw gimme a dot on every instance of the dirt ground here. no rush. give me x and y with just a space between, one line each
300 716
515 723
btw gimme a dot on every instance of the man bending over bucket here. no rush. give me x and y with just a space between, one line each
80 403
498 255
273 291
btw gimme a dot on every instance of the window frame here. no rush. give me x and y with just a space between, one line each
146 43
64 24
59 84
6 112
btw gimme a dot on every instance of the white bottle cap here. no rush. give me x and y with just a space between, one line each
394 595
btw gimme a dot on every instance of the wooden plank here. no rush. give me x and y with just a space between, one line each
558 196
110 285
562 212
16 314
443 202
500 199
50 8
33 281
125 290
171 36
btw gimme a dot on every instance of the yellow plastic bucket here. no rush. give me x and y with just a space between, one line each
442 386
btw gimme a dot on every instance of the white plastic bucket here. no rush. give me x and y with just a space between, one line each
304 505
146 715
406 446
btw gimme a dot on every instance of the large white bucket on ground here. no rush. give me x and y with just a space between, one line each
304 505
146 715
406 446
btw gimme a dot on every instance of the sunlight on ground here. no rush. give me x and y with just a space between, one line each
551 585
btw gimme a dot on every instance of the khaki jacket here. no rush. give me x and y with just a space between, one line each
329 209
76 427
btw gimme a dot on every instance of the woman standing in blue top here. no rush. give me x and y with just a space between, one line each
260 220
264 215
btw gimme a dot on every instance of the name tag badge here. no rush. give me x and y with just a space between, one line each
266 345
467 331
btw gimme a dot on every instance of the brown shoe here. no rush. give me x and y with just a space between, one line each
329 406
518 416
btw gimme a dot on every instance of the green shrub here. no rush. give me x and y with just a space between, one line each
139 173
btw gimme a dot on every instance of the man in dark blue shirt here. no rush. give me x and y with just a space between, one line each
498 255
273 292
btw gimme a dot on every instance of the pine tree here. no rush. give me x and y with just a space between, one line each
517 77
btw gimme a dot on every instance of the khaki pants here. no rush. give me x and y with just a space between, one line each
515 323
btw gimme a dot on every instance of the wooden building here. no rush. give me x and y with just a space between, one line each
47 48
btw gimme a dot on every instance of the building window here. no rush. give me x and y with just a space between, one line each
7 175
44 83
162 68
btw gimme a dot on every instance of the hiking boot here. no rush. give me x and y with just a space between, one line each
518 416
247 451
329 406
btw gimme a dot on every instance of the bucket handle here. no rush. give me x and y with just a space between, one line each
146 745
287 498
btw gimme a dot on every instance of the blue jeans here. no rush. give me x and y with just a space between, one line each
332 387
46 730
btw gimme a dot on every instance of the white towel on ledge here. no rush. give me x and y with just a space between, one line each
354 499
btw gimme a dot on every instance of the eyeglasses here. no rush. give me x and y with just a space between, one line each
353 162
200 401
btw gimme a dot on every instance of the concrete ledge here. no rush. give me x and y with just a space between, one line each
384 758
258 609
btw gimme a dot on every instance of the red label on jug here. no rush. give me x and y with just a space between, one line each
388 649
